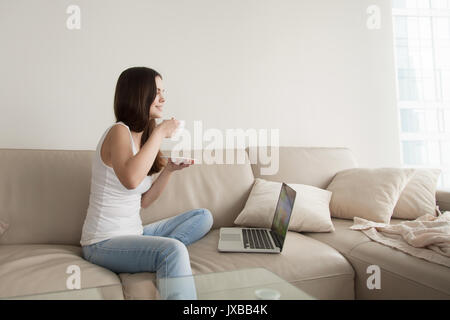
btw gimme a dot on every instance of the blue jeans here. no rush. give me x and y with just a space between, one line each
161 249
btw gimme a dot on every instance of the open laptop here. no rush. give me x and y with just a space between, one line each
261 239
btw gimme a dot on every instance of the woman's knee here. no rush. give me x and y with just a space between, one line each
175 259
207 218
176 249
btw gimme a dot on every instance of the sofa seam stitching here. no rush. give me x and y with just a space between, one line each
325 277
357 245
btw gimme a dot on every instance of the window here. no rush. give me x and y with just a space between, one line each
422 54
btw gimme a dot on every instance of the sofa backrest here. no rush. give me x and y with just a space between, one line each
304 165
44 194
221 188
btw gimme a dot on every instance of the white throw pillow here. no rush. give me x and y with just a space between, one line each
311 211
370 194
419 196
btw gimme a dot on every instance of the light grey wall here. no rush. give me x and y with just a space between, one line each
311 68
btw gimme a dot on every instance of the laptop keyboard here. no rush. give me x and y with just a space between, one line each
256 239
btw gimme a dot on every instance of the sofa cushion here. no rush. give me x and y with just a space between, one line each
402 276
419 196
343 238
311 210
310 265
443 200
35 269
44 195
306 165
367 193
223 189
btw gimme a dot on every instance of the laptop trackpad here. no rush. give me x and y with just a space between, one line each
231 237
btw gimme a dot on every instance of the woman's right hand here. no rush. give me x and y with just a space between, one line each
168 127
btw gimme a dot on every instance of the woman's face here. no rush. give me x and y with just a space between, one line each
156 108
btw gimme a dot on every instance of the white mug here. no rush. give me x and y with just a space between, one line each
178 131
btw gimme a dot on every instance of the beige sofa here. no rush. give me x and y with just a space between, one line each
44 196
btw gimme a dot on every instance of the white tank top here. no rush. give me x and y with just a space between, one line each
113 209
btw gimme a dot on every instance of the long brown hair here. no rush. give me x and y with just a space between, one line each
135 92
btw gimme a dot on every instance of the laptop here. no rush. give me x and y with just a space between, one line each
261 240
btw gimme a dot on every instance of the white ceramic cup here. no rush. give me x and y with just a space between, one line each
178 130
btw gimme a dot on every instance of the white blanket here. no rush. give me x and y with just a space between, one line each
427 237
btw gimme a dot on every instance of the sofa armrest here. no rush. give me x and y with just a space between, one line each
443 200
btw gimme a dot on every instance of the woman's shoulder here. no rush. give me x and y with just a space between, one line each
119 130
116 145
118 135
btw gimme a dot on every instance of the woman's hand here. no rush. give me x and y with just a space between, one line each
173 167
168 127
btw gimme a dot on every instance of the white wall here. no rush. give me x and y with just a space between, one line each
311 68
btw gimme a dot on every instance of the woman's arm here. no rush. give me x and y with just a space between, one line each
160 183
140 164
131 170
156 189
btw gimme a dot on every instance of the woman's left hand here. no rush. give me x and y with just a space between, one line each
173 167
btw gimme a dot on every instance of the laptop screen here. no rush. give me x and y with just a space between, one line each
283 212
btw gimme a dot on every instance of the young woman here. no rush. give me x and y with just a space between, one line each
126 157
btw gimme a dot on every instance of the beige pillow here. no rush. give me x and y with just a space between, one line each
367 193
311 211
419 196
3 227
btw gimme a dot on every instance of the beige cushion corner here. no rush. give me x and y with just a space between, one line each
310 213
419 196
31 269
367 193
